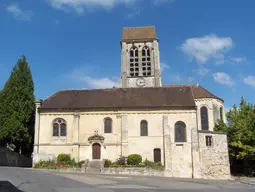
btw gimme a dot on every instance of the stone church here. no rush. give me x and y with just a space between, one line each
171 124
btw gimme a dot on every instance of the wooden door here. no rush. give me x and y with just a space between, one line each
96 151
157 155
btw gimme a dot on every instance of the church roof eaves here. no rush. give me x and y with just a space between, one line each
120 99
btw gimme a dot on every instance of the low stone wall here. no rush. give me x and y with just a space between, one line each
135 171
68 170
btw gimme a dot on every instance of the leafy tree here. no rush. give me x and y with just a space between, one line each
241 132
17 106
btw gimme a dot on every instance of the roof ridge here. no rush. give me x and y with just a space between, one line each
53 95
192 92
141 26
208 91
169 85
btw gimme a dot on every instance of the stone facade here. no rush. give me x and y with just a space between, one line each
189 159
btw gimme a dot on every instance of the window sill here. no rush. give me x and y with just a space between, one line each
58 138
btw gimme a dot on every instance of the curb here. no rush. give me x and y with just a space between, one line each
248 183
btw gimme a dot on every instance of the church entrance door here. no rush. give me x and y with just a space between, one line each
96 151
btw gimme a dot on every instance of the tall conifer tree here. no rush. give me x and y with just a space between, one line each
17 106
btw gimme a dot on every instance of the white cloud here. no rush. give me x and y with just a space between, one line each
163 66
223 78
19 13
80 5
201 71
237 59
133 14
175 78
80 76
179 78
101 82
190 79
207 47
250 80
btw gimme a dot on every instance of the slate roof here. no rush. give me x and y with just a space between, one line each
139 33
120 98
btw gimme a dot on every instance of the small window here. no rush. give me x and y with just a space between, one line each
59 128
221 113
208 140
204 118
55 129
107 125
180 131
144 128
62 129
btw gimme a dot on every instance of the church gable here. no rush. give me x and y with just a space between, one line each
119 98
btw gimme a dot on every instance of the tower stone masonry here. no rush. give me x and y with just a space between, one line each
140 58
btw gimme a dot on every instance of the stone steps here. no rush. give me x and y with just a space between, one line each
94 167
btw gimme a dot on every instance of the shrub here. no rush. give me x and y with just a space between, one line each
45 164
114 165
134 159
64 158
107 163
80 163
141 164
121 160
147 162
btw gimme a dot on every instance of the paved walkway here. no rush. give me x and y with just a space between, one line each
27 180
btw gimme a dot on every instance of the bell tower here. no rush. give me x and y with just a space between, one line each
140 62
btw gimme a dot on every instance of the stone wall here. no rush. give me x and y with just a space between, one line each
13 159
215 158
136 171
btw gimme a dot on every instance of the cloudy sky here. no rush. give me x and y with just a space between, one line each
72 44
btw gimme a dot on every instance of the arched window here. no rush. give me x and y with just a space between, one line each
133 62
146 61
59 128
107 125
221 113
204 118
180 131
144 128
157 155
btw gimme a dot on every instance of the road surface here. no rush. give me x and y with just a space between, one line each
29 180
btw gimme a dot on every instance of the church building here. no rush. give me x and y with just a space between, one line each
171 124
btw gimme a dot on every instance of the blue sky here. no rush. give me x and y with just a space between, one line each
75 44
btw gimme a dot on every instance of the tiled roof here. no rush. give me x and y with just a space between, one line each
197 90
138 33
120 99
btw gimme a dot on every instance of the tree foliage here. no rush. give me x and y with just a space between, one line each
17 105
241 131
